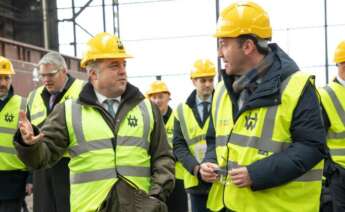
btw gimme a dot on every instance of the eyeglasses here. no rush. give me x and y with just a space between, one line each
51 74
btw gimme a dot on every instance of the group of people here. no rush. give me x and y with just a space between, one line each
261 140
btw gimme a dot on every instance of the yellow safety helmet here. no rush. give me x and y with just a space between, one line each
103 46
157 87
339 55
6 66
243 18
203 68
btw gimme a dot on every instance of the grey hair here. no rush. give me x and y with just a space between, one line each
53 58
92 65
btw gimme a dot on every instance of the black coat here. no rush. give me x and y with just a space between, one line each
308 134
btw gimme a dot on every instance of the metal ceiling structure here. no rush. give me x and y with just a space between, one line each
76 13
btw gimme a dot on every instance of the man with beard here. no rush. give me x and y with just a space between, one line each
266 139
13 173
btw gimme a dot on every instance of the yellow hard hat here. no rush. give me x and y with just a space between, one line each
243 18
157 87
203 68
103 46
6 66
339 55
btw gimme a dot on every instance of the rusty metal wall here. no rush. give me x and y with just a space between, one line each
24 58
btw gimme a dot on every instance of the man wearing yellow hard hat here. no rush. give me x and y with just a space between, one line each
159 94
333 103
191 124
13 173
266 139
120 157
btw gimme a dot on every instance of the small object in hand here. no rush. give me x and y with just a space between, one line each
220 171
223 176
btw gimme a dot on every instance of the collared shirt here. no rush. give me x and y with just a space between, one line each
56 95
101 99
340 80
199 105
62 88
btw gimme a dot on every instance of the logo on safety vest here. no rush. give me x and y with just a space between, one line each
251 121
119 45
9 117
170 131
132 121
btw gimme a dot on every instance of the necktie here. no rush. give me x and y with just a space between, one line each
110 108
52 100
204 111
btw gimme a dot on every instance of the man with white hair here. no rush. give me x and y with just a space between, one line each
52 185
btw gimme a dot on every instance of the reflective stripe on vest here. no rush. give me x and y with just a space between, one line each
333 101
84 147
37 108
94 165
9 120
169 126
194 137
191 140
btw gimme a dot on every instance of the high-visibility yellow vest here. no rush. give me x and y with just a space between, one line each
9 118
194 136
169 127
215 198
257 134
333 100
94 166
38 111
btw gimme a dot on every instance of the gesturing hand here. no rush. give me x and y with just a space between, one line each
27 131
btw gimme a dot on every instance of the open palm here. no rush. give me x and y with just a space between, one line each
27 131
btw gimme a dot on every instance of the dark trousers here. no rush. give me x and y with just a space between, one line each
337 190
177 201
198 202
52 188
13 205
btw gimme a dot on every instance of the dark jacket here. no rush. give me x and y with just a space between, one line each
308 134
182 151
45 154
167 115
12 183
